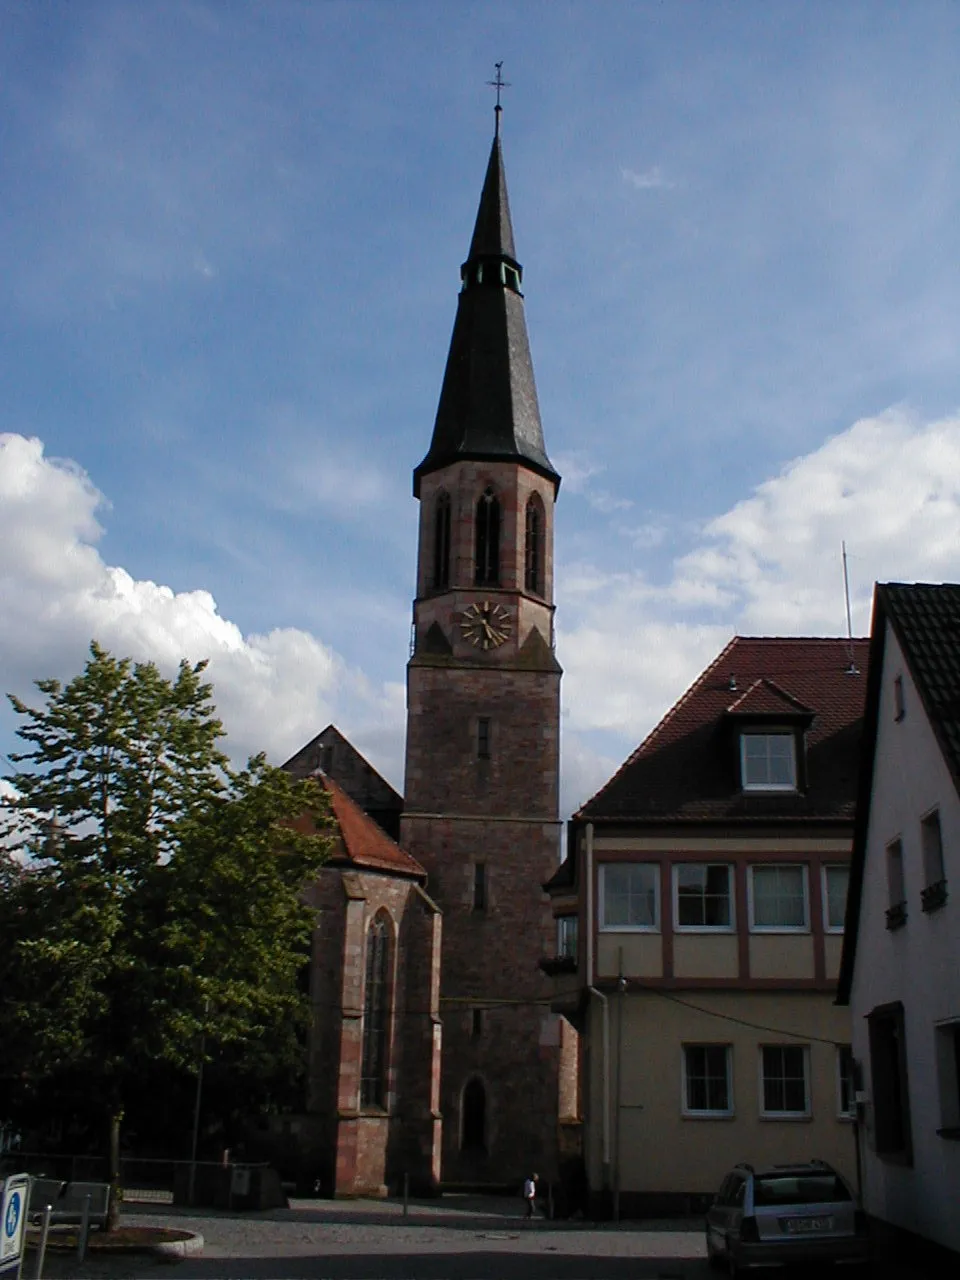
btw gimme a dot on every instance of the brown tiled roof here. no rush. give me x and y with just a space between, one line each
687 769
363 843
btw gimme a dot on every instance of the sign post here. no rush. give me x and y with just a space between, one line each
13 1222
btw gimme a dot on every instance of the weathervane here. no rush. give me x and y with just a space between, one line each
498 84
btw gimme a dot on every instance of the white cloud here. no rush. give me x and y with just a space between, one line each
650 180
607 503
273 691
889 486
576 469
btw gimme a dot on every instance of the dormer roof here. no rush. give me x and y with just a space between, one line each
765 700
685 770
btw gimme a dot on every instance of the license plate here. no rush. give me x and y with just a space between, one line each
800 1226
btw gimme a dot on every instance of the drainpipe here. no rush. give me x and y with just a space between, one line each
604 1006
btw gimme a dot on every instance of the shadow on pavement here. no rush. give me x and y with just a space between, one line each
425 1266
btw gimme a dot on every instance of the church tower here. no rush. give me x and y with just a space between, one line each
483 721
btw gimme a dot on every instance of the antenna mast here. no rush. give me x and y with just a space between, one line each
852 668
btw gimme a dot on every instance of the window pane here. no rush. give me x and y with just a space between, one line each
932 849
895 872
703 896
779 901
768 760
774 1189
375 1010
567 936
845 1072
837 879
780 749
707 1080
630 896
784 1078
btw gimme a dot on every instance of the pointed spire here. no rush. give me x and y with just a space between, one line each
488 402
493 232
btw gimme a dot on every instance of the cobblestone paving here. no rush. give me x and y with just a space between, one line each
434 1235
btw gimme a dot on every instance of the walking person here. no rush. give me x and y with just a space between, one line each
530 1195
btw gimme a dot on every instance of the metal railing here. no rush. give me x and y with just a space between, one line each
143 1179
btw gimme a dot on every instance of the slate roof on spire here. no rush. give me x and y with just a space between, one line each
493 233
488 408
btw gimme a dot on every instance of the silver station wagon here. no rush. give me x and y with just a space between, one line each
784 1215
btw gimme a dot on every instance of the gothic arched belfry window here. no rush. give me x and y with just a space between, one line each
533 546
487 560
441 542
376 1012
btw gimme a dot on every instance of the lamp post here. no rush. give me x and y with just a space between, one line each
621 988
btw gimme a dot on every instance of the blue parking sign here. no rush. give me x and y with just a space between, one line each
13 1220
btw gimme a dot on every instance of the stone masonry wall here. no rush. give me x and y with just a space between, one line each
367 1149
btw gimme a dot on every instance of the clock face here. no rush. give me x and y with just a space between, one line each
485 624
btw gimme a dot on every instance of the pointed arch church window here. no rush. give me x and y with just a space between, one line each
487 559
533 546
441 542
474 1132
376 1010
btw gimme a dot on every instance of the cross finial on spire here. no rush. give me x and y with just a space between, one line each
498 84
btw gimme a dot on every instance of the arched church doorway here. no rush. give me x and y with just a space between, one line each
474 1129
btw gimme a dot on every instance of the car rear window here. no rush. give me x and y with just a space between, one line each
798 1188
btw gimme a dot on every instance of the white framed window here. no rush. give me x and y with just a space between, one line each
846 1083
703 896
707 1080
896 887
630 896
934 892
784 1081
947 1043
778 899
836 880
567 929
768 761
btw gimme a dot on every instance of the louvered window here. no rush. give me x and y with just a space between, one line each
487 559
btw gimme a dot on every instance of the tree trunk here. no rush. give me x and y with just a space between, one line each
113 1167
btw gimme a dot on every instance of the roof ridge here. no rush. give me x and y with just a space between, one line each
806 639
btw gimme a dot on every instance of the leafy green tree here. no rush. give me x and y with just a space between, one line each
153 897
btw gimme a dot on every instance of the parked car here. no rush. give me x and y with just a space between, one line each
785 1214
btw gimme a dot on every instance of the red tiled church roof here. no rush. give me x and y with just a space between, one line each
686 769
362 841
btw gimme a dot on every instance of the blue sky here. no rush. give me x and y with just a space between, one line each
230 237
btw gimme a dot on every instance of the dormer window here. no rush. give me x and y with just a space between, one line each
768 761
